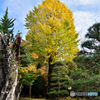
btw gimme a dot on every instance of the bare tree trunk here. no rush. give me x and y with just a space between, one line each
11 95
9 68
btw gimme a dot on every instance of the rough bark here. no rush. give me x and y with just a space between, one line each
18 91
49 74
16 48
0 60
9 67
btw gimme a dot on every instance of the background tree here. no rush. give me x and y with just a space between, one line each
6 24
59 81
25 70
25 59
81 81
27 75
40 86
28 71
71 67
88 62
89 57
52 32
92 42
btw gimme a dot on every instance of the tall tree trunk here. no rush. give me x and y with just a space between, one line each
49 74
9 69
11 95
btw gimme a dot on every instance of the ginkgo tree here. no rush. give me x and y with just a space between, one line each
51 33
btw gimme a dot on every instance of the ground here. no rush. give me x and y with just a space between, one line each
46 99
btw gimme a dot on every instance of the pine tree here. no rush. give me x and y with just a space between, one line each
93 42
6 24
89 57
59 81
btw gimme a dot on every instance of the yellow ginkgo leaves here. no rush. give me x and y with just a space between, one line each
51 27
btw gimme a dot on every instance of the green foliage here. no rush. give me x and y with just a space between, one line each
27 75
92 42
25 59
82 81
89 63
71 67
93 31
29 78
90 60
59 80
27 72
77 74
86 79
6 24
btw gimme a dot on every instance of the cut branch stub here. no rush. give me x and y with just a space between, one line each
16 45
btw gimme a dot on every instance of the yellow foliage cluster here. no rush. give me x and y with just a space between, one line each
51 26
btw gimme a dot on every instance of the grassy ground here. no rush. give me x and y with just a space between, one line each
46 99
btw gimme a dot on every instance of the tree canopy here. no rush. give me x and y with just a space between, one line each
92 42
52 31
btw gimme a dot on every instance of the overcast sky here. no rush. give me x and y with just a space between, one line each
85 13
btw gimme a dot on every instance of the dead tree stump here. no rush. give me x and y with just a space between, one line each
9 66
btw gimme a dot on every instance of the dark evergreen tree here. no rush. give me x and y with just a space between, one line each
81 81
87 78
89 57
6 24
59 81
93 40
